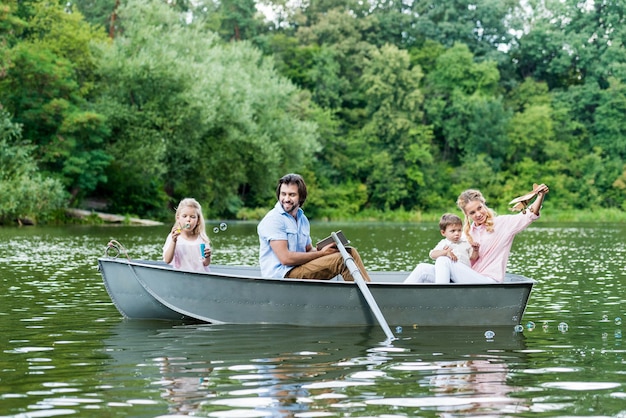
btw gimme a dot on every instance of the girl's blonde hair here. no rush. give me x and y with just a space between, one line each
200 228
466 197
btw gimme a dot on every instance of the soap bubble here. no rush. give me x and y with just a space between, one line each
518 328
223 226
545 326
563 327
399 330
489 334
530 326
605 318
618 321
618 333
216 230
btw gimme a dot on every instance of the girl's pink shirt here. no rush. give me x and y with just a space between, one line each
187 254
495 246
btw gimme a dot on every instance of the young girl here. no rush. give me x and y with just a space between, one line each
182 247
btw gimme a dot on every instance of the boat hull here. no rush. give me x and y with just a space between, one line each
238 295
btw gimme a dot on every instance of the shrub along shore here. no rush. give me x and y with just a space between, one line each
74 216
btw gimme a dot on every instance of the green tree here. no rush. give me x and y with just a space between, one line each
479 24
24 192
464 107
240 19
100 13
104 13
11 26
609 129
328 60
47 87
618 191
393 137
201 118
571 42
531 128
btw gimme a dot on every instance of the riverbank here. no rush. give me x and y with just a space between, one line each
89 216
92 217
548 215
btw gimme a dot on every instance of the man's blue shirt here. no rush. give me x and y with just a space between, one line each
280 225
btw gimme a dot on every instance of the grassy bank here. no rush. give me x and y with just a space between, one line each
548 215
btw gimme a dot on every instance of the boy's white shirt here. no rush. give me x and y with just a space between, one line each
461 249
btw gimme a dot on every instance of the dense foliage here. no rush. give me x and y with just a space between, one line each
23 191
382 105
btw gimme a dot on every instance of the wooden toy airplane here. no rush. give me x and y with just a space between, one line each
521 203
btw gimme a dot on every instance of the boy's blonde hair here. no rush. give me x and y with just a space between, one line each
200 228
466 197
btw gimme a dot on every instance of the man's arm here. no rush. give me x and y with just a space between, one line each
296 258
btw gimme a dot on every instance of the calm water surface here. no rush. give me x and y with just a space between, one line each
67 351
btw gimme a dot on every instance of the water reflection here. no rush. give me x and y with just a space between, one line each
285 371
477 385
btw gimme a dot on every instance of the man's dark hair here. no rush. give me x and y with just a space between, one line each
293 179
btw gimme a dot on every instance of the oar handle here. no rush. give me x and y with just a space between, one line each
358 278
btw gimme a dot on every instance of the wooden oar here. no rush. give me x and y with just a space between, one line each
358 278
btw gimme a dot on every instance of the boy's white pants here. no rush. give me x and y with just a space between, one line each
445 271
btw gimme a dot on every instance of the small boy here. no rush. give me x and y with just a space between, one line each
453 246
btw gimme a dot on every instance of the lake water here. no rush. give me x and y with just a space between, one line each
67 351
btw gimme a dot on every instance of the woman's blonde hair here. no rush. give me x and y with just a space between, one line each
200 228
466 197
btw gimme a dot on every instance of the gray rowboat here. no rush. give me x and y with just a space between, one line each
239 295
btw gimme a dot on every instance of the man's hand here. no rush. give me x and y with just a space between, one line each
297 258
329 249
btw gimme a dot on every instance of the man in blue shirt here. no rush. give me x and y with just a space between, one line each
286 248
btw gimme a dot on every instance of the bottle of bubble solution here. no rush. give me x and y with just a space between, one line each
202 247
